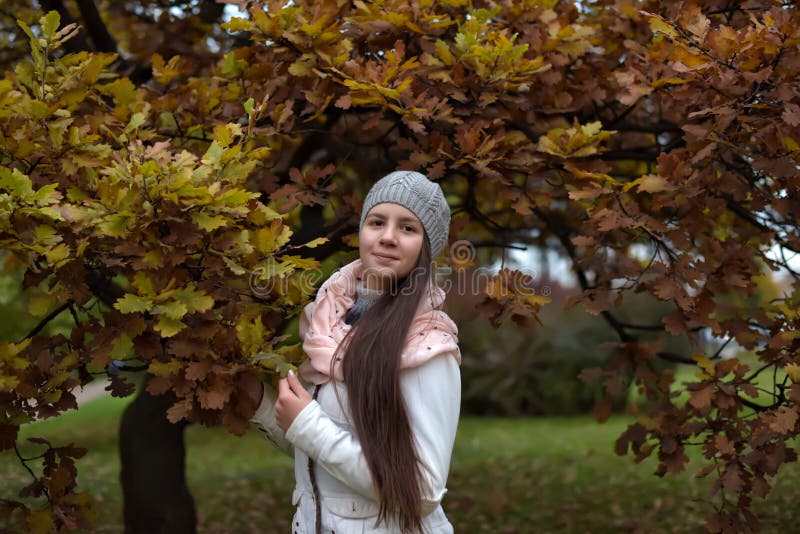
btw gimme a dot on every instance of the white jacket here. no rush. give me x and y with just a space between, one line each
322 431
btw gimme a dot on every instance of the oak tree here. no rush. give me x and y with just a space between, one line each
170 176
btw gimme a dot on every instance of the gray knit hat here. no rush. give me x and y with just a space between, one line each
421 196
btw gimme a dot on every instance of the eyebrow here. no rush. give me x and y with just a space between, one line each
402 219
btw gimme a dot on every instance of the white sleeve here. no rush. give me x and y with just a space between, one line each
268 424
432 393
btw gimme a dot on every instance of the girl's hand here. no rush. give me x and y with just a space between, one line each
292 398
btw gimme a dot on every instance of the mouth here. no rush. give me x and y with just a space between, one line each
384 256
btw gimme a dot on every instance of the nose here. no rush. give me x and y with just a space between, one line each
389 234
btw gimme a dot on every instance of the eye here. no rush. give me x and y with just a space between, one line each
409 228
375 222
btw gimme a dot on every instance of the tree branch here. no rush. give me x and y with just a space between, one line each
582 278
102 39
676 358
50 316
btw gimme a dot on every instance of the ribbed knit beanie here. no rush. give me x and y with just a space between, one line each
422 197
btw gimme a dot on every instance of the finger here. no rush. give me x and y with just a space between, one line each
294 383
298 388
284 388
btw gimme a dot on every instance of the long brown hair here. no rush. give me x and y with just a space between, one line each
371 371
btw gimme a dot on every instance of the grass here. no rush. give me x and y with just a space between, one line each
507 475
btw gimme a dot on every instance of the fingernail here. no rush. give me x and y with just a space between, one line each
291 372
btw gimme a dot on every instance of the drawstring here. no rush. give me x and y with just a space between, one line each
314 487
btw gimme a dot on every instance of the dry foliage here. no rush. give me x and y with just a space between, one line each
152 158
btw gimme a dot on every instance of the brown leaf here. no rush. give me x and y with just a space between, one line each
237 424
602 410
700 398
198 370
8 436
675 462
635 436
119 386
180 410
732 478
761 487
214 399
724 445
791 115
785 420
159 385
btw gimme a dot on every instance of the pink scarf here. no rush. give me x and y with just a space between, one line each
322 327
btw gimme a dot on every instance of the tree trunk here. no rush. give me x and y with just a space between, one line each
156 498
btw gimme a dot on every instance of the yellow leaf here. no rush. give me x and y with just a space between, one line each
704 363
143 284
207 222
49 24
115 225
40 305
57 254
316 242
40 521
659 25
131 303
224 135
167 326
534 300
298 262
669 81
443 52
790 143
164 368
793 370
194 300
173 310
302 67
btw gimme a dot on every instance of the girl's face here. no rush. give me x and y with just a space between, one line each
389 244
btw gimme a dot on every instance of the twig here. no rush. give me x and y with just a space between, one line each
50 317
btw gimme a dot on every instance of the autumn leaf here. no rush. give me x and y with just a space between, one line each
700 398
785 420
131 303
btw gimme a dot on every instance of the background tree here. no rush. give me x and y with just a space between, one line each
155 160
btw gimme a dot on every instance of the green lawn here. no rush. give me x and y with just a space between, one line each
507 475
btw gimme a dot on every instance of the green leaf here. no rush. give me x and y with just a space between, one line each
137 120
57 254
214 154
50 24
249 106
46 195
115 225
173 310
168 327
121 347
234 267
143 284
131 303
207 222
193 300
15 182
40 305
273 362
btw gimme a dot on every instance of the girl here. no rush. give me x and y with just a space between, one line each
373 431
